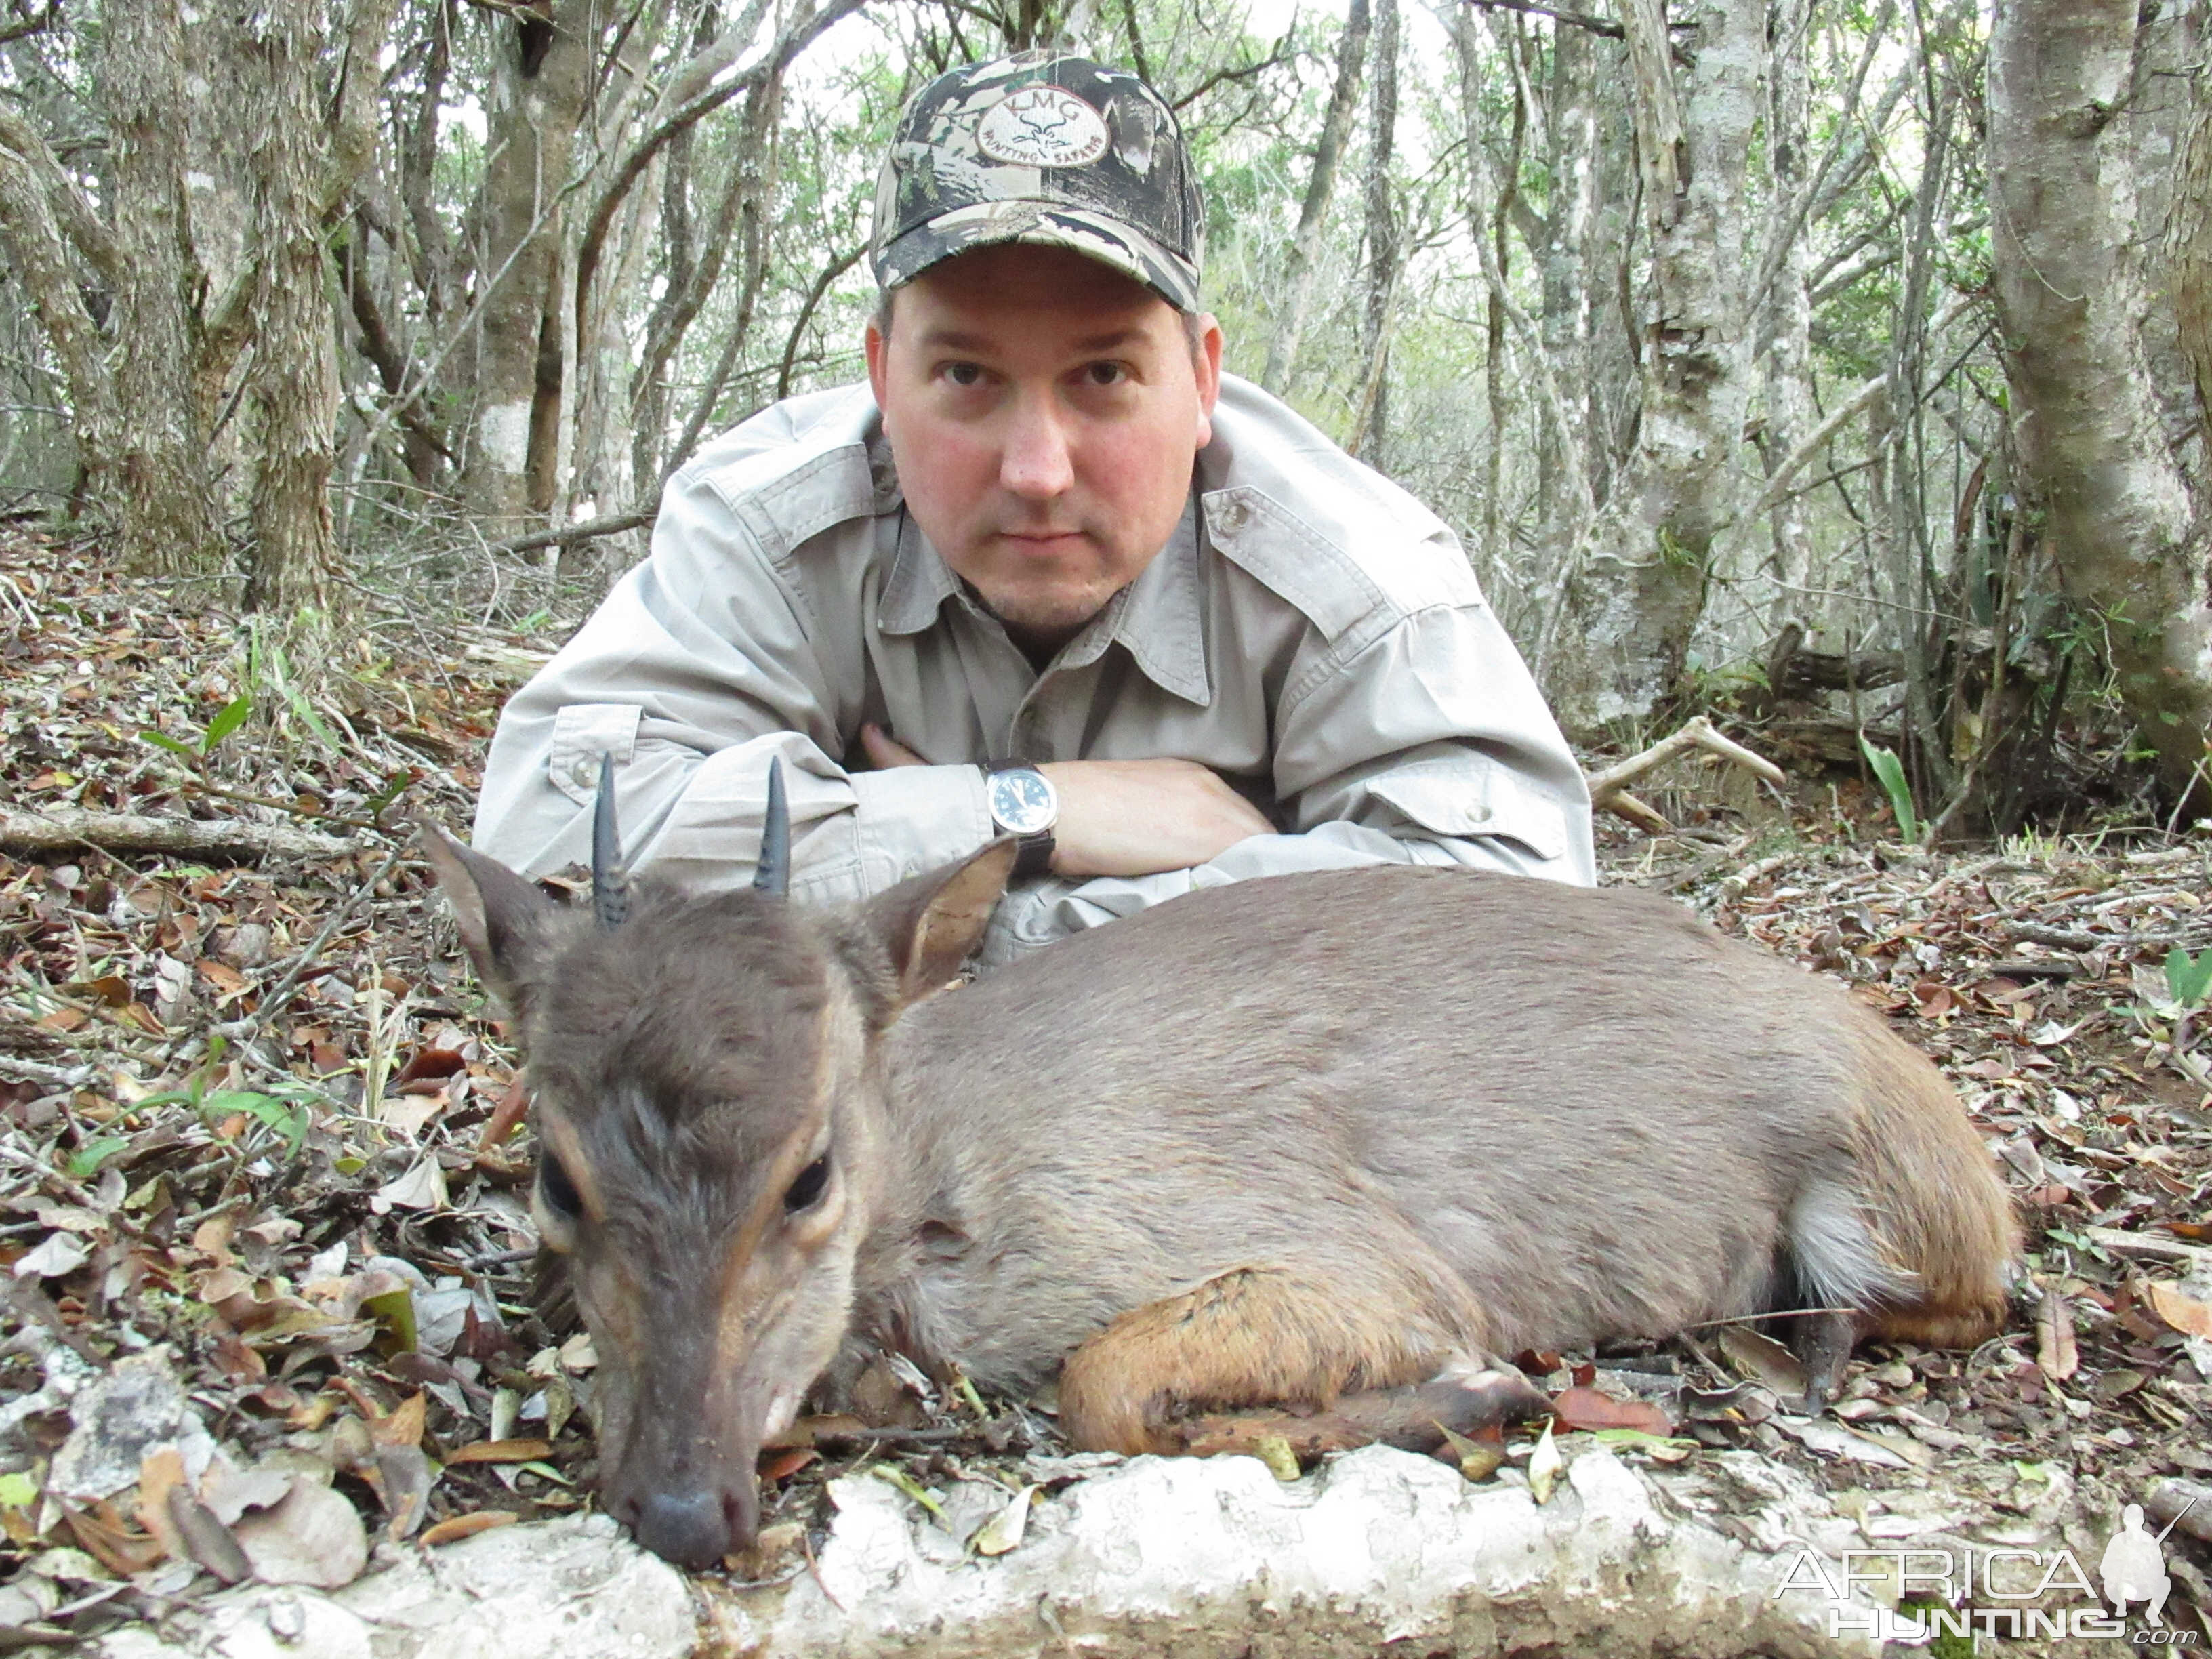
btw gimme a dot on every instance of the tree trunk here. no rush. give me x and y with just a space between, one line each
1320 184
1498 398
1638 591
1787 319
41 260
2087 109
167 521
536 109
1371 435
1570 142
294 385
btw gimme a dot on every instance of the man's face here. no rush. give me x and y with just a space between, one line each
1044 411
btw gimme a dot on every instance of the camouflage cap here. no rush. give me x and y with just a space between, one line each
1046 149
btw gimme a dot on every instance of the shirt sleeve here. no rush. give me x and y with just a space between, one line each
693 673
1430 745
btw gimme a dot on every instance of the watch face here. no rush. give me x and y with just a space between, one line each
1022 801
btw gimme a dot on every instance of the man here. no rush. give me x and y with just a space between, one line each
1049 572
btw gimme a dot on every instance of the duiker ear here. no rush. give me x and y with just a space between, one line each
930 923
503 917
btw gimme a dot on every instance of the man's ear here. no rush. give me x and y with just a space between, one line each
504 919
1206 368
878 349
932 923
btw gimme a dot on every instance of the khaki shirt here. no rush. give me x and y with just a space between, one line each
1310 632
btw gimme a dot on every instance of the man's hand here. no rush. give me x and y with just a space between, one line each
1126 817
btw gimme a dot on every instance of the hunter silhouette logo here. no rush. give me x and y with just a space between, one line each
1042 127
2134 1567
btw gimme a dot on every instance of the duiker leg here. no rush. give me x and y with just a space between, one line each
1466 1397
1270 1335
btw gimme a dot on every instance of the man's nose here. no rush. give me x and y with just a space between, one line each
1036 463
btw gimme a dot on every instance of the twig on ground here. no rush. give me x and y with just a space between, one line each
64 828
280 996
53 1077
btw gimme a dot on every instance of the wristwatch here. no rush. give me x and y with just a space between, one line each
1024 804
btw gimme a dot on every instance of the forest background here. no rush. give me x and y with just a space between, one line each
1842 365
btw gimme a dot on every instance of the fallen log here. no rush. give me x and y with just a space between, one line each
63 829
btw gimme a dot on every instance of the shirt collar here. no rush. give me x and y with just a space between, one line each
1156 618
919 583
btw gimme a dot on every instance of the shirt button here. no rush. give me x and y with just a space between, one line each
582 771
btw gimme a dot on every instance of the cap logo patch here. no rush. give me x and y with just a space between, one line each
1041 126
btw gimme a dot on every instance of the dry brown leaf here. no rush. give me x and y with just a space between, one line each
2055 1356
1586 1408
312 1537
502 1451
106 1535
2185 1312
403 1425
204 1537
777 1466
161 1472
513 1106
455 1527
1759 1359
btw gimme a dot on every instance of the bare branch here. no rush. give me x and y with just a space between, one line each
1580 20
27 25
837 268
583 530
41 261
1608 788
75 215
1281 55
794 40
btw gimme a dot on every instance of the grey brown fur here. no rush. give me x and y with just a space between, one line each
1274 1142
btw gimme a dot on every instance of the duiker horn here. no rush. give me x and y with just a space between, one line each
610 881
773 874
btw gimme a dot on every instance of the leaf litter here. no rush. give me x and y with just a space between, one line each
256 1163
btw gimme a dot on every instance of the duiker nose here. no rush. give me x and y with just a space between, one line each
695 1528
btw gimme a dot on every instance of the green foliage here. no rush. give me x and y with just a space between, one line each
284 1108
268 669
87 1160
2187 978
1890 771
232 716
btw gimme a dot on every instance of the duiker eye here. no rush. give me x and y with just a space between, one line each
558 1191
808 1188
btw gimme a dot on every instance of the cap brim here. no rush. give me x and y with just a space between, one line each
1040 224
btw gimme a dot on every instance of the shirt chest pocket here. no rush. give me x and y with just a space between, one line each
583 731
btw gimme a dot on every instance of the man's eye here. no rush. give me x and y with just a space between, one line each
1106 373
962 374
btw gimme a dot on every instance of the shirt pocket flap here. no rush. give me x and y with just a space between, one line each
582 731
1451 797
